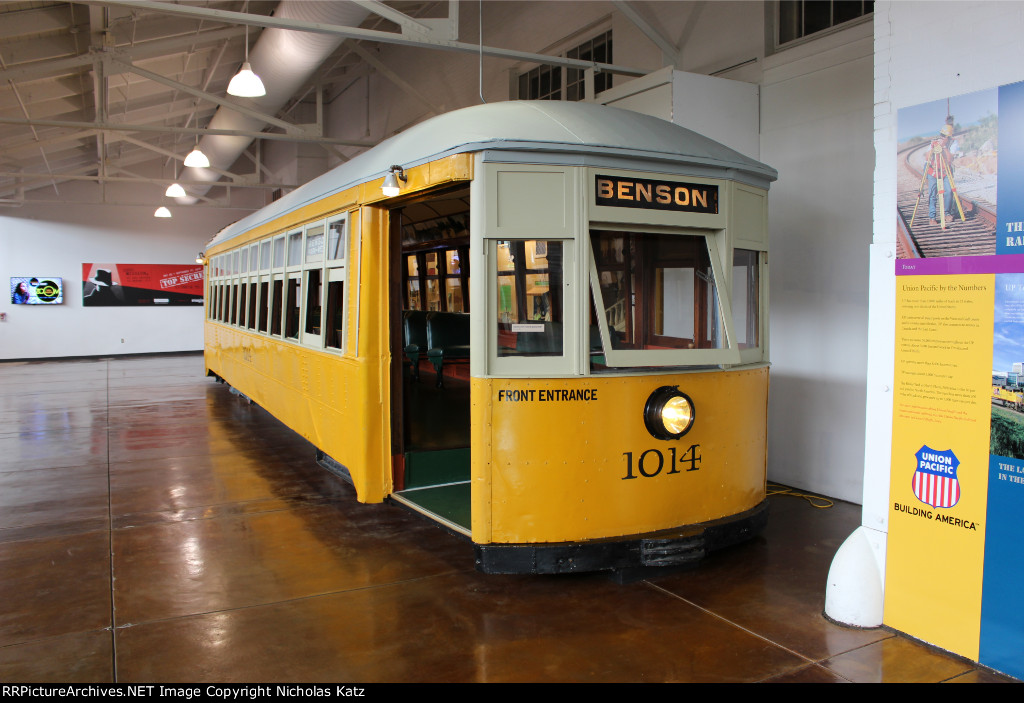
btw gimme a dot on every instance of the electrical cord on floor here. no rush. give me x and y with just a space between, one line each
777 489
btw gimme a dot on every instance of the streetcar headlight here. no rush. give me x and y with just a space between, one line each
668 413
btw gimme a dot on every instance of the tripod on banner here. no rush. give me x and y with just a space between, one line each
942 171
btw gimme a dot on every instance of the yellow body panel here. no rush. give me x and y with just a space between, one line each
329 399
338 401
550 468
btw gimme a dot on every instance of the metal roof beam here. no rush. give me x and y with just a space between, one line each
31 177
403 85
651 32
179 157
125 127
153 49
203 95
367 35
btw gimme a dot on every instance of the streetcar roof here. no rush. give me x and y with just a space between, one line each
570 128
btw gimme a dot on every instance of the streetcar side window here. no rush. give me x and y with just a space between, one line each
746 303
263 303
291 307
276 300
334 321
242 303
252 302
437 279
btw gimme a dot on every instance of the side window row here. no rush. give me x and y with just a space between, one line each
290 285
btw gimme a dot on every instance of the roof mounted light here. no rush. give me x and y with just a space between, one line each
162 212
669 413
390 187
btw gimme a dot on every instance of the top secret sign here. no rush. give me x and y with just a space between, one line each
613 191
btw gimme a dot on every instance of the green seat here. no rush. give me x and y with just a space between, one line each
447 338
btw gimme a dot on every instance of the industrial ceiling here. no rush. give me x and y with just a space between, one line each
119 91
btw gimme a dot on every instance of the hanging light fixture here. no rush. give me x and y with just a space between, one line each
196 158
162 212
174 190
390 186
246 84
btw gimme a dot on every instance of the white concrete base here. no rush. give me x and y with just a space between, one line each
856 581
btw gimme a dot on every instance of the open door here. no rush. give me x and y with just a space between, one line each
430 310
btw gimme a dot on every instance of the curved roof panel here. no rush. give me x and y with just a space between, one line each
520 125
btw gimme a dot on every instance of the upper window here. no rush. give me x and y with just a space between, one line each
557 83
802 18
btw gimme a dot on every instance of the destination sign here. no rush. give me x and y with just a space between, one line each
614 191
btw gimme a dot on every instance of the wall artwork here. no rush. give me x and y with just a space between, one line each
105 285
37 290
954 559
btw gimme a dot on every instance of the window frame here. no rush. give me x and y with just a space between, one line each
628 358
562 364
586 88
773 12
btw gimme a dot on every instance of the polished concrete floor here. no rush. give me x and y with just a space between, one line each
155 527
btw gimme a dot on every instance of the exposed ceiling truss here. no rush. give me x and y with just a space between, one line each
118 91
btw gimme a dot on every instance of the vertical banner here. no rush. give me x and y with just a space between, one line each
956 504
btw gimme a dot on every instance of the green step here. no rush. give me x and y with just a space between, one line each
437 467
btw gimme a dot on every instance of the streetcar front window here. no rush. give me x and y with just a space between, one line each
529 300
658 291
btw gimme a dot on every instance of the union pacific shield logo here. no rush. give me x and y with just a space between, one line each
935 481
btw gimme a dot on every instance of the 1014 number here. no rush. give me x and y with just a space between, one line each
652 462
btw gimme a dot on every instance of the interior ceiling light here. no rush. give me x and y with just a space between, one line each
246 84
390 186
162 212
197 159
174 191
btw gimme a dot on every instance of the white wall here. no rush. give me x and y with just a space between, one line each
55 240
816 119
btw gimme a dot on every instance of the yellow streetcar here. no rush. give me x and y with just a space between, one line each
541 324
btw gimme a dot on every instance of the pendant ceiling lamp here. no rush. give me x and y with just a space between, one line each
246 84
162 212
174 190
196 158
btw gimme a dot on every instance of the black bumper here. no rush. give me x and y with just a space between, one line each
675 547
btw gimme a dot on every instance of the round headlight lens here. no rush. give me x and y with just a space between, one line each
669 413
